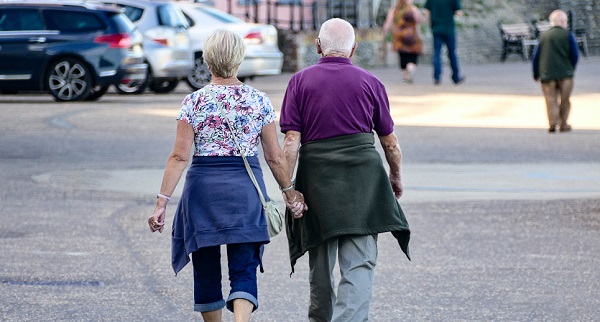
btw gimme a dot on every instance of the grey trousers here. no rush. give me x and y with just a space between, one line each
357 256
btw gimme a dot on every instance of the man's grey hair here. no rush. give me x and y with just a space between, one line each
336 37
223 53
559 18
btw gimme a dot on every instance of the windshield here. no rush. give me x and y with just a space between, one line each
220 15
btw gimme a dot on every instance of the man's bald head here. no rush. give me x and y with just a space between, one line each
336 37
558 18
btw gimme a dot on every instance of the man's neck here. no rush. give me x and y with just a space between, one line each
335 55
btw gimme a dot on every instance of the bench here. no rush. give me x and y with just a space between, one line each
517 38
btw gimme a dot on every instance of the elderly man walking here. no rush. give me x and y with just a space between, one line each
554 61
329 113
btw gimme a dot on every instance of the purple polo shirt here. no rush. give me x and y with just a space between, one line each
335 98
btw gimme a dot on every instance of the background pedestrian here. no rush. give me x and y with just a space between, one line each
403 22
554 62
440 14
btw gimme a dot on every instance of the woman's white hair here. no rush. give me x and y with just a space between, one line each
223 53
336 37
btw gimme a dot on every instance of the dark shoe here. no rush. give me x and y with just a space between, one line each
566 128
461 80
436 82
552 128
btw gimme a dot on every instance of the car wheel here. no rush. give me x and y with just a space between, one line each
69 79
165 86
199 76
135 87
97 92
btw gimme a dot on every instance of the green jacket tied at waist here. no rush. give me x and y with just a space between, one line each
347 191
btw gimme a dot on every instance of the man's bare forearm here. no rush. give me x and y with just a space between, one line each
291 146
393 154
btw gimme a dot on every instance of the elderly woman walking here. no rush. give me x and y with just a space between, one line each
403 20
220 204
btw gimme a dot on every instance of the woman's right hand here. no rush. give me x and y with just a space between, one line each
294 201
157 220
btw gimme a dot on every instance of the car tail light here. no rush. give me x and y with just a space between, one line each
114 40
162 41
253 38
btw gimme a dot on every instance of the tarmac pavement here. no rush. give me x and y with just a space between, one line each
505 217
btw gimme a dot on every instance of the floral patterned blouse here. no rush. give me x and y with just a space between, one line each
246 107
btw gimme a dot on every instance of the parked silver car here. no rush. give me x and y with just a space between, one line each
262 53
166 43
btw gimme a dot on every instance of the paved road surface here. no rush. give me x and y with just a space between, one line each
505 217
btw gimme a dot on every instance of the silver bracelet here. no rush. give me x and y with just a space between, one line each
288 188
160 195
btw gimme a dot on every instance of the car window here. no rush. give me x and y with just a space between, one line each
124 25
133 13
69 21
171 16
219 15
190 21
20 19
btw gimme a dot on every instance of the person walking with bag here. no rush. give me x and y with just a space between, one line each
329 113
220 204
554 62
403 21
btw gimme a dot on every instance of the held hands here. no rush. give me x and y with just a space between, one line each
157 220
294 200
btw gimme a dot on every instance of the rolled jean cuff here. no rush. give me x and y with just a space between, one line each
209 306
241 295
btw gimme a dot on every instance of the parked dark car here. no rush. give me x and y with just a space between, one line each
73 50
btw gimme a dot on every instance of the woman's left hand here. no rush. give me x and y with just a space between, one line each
157 220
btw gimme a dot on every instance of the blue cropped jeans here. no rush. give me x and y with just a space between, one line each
242 260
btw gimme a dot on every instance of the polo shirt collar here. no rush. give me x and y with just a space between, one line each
342 60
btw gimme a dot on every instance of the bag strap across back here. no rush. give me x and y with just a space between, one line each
233 132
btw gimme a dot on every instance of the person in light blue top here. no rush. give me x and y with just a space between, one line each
219 204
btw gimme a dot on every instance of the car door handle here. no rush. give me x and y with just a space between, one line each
37 39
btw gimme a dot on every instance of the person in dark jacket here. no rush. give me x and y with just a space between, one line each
329 113
554 61
440 14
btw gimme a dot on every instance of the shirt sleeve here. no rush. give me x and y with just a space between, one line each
383 123
186 110
535 62
267 110
290 119
574 52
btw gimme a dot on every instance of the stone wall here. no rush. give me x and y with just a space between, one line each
299 49
585 15
478 36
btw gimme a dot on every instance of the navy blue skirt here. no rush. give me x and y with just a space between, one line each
219 205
